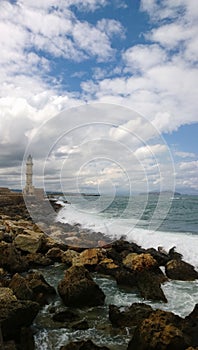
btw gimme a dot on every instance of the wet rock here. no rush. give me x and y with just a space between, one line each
81 325
32 287
83 345
29 241
174 255
10 258
180 270
190 326
161 330
107 267
122 245
20 288
147 274
77 288
15 314
40 288
148 284
161 257
131 317
66 316
125 278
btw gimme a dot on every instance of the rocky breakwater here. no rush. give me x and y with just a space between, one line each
23 291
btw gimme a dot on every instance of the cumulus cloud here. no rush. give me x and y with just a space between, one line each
157 79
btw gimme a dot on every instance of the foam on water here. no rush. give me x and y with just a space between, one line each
186 243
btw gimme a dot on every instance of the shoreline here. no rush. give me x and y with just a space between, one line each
23 247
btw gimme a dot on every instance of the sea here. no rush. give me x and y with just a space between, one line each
150 220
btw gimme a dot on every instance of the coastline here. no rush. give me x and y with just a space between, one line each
25 247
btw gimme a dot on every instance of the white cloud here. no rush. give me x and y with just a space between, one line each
144 56
185 154
151 150
190 166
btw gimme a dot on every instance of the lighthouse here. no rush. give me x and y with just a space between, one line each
29 188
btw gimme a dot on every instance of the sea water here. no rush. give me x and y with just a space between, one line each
149 221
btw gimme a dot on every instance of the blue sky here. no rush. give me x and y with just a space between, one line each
138 54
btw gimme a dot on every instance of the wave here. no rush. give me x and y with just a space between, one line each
186 243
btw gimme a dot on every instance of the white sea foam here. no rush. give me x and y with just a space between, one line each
186 243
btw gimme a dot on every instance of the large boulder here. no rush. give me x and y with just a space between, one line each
161 330
140 262
131 317
77 288
32 287
20 287
190 326
68 256
147 274
41 289
55 254
30 241
149 286
15 314
89 258
11 259
180 270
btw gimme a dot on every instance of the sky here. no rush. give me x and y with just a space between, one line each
102 93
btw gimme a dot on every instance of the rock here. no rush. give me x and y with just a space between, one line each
55 254
161 257
40 288
49 243
68 256
174 255
11 259
180 270
27 339
66 316
147 274
7 296
29 241
124 248
161 330
37 259
125 278
90 257
20 288
32 287
107 267
140 262
190 326
131 317
15 314
77 288
81 325
148 284
83 345
9 345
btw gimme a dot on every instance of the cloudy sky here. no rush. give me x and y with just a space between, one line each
125 74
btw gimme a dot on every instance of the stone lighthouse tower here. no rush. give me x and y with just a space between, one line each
29 188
